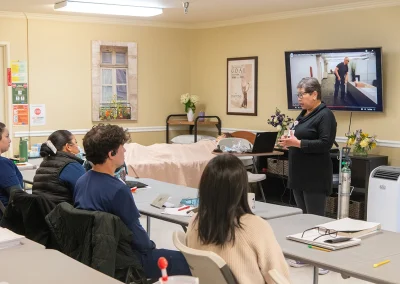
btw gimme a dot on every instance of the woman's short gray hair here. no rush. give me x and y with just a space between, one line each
310 85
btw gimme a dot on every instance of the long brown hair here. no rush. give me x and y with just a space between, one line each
223 200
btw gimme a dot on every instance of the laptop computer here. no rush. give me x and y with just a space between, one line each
264 142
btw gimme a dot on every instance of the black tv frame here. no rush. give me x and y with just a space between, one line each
378 52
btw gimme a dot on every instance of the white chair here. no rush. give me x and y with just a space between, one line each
247 161
277 277
206 265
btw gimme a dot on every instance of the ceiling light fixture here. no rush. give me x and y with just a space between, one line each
106 9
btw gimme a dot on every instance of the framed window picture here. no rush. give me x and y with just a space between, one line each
242 86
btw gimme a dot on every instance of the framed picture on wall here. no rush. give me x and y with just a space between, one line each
241 96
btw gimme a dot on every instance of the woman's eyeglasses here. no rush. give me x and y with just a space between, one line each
300 95
323 232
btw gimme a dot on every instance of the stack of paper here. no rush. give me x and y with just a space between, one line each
25 166
188 212
309 237
351 228
9 239
344 227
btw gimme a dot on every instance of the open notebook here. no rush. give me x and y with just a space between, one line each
9 239
309 237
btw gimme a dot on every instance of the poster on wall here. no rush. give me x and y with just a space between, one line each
38 114
242 86
19 71
19 93
20 114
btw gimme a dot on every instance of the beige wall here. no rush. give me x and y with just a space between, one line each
60 70
174 61
268 40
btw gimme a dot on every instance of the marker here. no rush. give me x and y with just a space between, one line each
381 263
183 208
318 248
133 189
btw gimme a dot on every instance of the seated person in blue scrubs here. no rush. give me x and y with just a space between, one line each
61 168
10 176
100 190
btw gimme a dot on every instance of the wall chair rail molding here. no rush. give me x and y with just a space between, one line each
46 133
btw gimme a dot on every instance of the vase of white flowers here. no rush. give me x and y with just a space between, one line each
190 102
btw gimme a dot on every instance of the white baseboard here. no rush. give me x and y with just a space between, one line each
46 133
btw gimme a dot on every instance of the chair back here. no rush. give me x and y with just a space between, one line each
25 215
98 239
277 277
249 136
206 265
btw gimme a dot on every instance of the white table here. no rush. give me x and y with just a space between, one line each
47 267
144 196
25 246
354 262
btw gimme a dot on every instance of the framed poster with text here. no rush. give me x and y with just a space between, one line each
242 86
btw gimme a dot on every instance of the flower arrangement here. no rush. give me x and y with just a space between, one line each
115 110
280 121
190 102
361 141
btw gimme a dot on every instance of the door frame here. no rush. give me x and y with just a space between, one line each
8 95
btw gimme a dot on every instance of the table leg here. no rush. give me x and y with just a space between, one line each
316 275
259 183
148 225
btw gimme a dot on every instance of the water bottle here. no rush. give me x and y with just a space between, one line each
23 150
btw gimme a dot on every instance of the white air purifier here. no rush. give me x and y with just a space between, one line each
384 198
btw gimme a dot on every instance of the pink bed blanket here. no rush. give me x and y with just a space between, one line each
181 164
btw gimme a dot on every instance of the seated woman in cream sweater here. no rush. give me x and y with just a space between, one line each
226 226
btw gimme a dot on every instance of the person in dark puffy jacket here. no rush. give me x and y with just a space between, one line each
57 175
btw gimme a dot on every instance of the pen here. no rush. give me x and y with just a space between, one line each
381 263
318 248
183 208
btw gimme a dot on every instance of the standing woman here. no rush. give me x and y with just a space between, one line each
57 175
10 176
310 164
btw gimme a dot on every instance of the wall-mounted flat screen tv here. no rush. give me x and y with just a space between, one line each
351 79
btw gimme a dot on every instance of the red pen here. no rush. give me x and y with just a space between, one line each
183 208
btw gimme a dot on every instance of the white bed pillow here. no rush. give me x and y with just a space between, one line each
188 139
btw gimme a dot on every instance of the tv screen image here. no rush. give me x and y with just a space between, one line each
351 79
